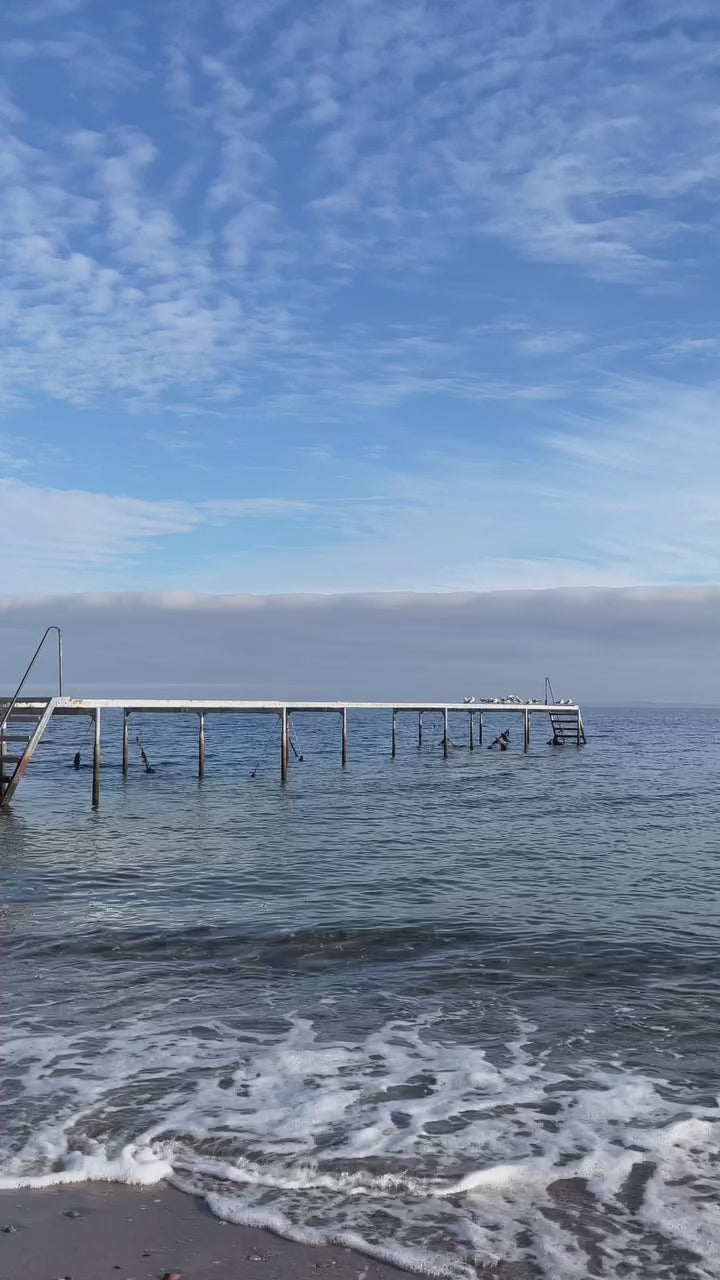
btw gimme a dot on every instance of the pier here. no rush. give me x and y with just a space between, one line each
31 716
24 721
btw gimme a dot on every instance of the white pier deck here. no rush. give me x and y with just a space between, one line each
88 706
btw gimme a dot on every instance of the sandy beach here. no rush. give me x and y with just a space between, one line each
102 1230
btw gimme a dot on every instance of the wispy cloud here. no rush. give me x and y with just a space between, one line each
70 537
550 343
606 501
283 157
431 244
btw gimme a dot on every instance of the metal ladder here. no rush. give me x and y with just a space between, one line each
23 722
567 726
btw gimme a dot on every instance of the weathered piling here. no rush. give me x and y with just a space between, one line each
472 730
125 744
284 744
393 750
201 745
344 756
446 738
96 761
526 730
420 729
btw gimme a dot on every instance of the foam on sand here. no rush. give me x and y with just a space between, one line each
404 1146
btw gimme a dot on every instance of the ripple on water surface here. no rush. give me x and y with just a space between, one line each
449 1012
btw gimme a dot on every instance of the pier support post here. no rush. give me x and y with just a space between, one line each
284 744
472 730
394 734
96 761
526 735
201 745
579 729
480 728
445 732
125 750
420 727
343 713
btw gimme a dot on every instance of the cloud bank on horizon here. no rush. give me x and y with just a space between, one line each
620 645
358 296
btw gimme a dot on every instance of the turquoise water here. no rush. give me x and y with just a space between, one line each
450 1011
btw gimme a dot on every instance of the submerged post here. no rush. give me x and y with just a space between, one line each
343 713
419 730
480 727
394 733
472 730
96 761
283 744
445 732
526 736
126 717
201 745
579 729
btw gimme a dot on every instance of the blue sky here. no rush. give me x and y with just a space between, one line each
359 296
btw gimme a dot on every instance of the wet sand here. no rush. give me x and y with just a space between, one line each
105 1231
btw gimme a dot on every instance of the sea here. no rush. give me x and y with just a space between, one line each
461 1014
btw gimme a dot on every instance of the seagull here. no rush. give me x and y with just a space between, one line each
470 699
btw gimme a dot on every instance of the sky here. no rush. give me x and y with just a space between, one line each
336 297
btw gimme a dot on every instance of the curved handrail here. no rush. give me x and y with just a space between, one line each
29 668
549 690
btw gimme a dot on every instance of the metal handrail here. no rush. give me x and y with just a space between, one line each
29 668
549 690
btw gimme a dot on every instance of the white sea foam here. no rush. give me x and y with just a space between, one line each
419 1151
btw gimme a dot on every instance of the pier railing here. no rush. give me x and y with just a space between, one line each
29 668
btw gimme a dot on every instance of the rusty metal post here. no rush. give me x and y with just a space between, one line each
125 748
420 727
343 713
472 730
445 732
394 734
526 735
96 761
284 744
201 745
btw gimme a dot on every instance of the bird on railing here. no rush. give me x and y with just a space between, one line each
469 699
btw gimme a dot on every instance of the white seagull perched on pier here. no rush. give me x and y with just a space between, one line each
470 699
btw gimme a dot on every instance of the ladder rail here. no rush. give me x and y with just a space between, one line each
8 786
29 668
568 727
549 695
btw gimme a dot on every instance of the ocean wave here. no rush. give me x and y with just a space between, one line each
433 1154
